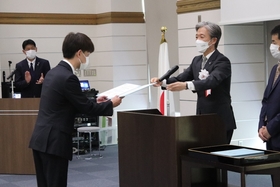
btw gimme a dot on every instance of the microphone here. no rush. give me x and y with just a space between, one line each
4 76
168 73
12 74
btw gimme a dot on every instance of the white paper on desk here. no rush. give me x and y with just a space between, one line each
123 90
241 152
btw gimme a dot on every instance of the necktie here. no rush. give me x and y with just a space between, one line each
204 59
277 73
31 70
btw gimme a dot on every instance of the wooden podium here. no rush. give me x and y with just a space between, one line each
17 120
150 145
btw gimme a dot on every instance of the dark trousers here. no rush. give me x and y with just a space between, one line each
51 170
229 136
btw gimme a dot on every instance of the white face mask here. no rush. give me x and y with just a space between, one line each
84 66
31 54
201 46
274 50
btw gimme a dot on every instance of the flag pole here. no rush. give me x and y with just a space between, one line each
163 30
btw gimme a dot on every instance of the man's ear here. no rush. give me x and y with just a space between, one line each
214 40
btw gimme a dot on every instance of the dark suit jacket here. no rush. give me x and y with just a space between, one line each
32 89
270 111
61 99
219 101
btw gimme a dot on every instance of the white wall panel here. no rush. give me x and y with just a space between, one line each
248 72
184 37
120 43
248 91
186 55
119 58
103 74
248 127
187 108
246 110
245 53
244 34
130 73
249 11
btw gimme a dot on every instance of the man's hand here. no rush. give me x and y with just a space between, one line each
101 99
156 81
116 101
41 80
264 134
176 86
27 77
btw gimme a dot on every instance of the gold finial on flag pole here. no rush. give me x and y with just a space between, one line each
163 30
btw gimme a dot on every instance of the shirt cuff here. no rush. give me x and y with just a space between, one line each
163 83
191 85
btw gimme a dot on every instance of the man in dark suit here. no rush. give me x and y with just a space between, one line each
209 78
61 99
269 122
30 72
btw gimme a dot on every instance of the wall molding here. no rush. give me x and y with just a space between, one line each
186 6
71 19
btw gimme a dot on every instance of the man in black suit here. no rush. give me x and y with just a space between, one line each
30 72
61 99
210 78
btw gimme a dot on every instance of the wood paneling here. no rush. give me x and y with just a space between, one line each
17 120
71 19
185 6
150 145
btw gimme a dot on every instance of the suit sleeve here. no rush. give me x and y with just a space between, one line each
46 68
186 75
20 81
82 103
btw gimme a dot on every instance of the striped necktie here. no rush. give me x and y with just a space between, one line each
276 73
204 59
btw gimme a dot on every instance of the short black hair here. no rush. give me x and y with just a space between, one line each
276 30
74 42
28 42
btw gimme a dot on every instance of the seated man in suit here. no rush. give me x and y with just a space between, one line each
31 71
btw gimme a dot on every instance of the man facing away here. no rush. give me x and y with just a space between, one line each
61 99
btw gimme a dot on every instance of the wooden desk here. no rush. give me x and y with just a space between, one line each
189 163
17 120
150 145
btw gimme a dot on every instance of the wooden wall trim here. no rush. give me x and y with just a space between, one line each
71 19
186 6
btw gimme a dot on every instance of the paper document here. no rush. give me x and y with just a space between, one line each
123 90
242 152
